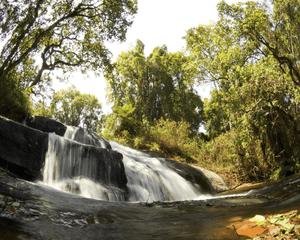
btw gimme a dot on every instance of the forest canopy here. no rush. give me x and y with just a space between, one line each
39 36
252 55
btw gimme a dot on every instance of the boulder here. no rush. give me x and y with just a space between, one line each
22 149
73 159
215 180
45 125
78 134
191 174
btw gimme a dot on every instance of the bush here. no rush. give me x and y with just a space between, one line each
14 101
220 152
236 153
173 139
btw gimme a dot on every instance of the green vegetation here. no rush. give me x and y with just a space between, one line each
157 86
39 36
72 108
250 55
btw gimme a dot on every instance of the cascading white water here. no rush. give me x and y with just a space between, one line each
80 135
150 179
68 168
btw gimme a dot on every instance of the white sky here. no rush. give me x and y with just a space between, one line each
157 22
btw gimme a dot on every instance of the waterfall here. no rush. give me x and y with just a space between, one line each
87 137
150 179
73 167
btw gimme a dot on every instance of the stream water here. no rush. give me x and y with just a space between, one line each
69 168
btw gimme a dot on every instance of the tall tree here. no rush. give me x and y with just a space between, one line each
216 118
41 35
252 54
273 30
157 87
73 108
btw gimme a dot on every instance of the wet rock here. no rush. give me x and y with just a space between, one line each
107 165
98 139
45 125
191 174
22 149
16 204
79 134
215 180
11 209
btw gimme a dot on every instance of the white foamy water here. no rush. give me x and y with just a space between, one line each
150 179
68 167
80 135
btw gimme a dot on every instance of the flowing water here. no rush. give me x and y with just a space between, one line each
150 179
69 168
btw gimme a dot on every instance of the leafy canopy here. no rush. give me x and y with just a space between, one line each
157 86
72 108
38 36
252 56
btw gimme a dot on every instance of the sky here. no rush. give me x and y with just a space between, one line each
157 22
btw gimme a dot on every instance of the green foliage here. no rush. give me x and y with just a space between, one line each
173 138
39 36
72 108
252 55
15 103
157 86
280 220
259 219
121 124
217 119
220 152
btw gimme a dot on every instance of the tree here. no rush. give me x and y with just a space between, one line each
273 33
40 36
73 108
273 115
217 120
252 54
157 87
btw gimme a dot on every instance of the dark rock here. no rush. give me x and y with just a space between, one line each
88 137
22 149
104 143
81 135
45 125
191 174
